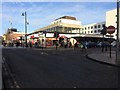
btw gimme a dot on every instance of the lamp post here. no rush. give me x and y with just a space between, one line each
25 14
118 35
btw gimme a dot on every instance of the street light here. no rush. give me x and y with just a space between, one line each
25 14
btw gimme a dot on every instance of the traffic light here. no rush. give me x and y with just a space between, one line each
44 33
56 34
104 31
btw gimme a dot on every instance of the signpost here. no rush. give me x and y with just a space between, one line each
103 32
45 32
110 30
56 35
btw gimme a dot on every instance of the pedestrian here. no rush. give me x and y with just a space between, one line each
17 44
86 44
65 43
36 44
81 46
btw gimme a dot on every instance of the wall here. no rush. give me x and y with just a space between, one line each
75 22
111 19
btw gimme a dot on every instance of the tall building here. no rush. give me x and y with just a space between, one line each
69 24
111 19
12 34
65 24
94 28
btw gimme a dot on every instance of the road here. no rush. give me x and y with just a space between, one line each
32 68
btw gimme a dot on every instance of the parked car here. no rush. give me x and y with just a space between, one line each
103 44
113 44
91 44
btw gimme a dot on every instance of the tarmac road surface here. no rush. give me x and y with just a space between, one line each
58 69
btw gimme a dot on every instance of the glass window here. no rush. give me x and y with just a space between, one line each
95 26
91 31
91 27
88 27
73 28
103 25
99 30
95 31
98 26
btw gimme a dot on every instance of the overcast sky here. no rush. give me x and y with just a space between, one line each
40 14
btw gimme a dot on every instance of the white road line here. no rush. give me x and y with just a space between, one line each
3 58
44 53
74 87
15 83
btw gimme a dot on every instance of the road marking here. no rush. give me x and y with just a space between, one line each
35 49
74 87
3 58
13 84
43 53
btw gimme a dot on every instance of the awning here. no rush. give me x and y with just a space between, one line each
32 37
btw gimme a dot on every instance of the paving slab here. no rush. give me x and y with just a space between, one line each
104 57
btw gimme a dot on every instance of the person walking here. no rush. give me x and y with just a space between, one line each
81 46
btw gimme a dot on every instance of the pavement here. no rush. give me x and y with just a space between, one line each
104 57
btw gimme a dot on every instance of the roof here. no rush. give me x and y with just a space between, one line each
67 17
55 25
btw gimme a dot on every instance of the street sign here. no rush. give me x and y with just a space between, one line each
110 29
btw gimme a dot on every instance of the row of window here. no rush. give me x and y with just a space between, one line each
57 22
93 27
61 28
95 31
68 29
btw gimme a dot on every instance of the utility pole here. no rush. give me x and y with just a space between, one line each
118 35
103 32
25 14
11 24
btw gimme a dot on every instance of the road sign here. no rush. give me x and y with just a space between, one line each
110 29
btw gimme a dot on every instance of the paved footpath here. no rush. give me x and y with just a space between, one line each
104 57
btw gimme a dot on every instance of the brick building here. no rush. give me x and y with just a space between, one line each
12 35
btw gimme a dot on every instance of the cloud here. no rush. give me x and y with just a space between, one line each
43 13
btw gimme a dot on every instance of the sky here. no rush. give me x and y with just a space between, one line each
40 14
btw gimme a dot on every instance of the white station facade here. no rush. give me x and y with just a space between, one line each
69 26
